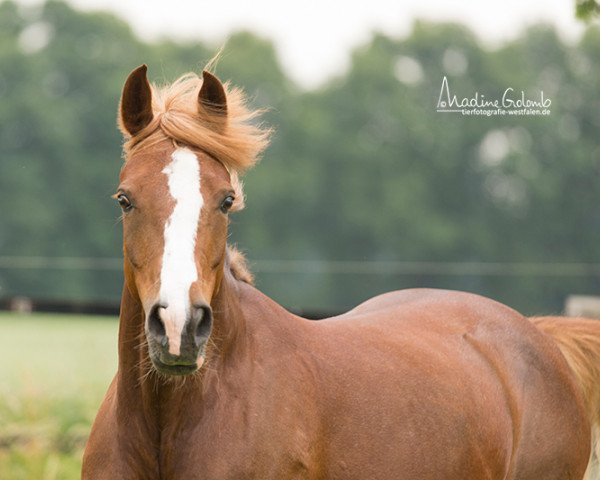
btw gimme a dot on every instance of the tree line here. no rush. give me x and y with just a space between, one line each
366 186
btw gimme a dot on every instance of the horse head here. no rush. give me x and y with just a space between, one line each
177 187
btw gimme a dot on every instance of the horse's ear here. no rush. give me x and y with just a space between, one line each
135 111
212 97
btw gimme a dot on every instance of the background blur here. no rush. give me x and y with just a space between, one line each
365 188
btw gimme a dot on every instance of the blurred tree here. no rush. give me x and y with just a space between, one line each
587 9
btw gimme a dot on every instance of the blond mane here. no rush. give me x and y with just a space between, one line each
238 266
236 141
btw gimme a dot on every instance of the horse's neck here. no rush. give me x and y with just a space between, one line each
154 413
143 393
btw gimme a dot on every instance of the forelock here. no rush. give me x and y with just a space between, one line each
237 140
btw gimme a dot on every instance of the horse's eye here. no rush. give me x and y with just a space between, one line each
124 202
227 203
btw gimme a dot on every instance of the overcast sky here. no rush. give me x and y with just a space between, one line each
314 38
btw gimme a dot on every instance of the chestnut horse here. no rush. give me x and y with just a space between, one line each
217 381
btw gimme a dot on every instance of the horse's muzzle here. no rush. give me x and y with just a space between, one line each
175 353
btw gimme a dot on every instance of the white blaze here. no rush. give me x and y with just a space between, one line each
178 270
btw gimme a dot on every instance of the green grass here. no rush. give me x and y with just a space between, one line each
54 370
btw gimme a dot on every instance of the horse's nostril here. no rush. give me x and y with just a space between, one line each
203 319
156 327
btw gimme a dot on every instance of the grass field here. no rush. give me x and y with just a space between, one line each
54 370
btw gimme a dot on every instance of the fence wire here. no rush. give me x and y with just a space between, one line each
338 267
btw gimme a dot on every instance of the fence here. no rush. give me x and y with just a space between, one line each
369 269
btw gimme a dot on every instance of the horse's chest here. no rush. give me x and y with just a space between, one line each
226 454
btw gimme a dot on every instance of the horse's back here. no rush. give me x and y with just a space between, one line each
468 379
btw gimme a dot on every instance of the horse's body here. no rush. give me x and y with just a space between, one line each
417 384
